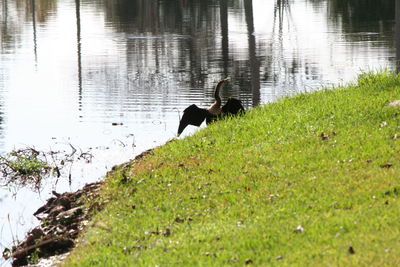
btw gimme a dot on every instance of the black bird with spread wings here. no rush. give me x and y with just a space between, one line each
193 115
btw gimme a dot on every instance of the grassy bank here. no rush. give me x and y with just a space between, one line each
309 180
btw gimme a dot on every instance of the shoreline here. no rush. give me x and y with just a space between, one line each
62 218
321 169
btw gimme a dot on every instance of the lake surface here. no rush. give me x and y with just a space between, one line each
111 77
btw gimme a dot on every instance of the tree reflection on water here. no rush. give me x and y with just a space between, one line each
205 51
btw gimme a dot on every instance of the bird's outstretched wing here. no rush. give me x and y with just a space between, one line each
233 106
192 115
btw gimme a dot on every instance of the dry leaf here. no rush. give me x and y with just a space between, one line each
324 136
394 103
386 165
248 261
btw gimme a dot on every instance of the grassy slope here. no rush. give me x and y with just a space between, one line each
236 191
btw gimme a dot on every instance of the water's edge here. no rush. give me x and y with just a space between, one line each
62 219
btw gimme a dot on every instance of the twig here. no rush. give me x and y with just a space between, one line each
55 164
73 150
69 174
122 143
11 231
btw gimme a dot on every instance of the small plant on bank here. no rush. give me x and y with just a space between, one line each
28 166
24 166
34 257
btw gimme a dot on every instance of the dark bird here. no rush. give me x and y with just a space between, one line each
193 115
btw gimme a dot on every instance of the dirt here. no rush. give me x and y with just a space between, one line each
61 220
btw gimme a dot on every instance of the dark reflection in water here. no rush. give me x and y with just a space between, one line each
34 29
198 34
362 15
253 60
79 48
70 69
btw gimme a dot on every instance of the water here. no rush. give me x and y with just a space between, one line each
70 69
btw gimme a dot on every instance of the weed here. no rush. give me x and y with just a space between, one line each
24 166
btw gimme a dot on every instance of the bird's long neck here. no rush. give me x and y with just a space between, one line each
216 92
215 108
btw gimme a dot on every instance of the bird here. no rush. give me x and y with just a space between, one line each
193 115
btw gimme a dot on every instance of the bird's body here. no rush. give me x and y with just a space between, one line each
194 115
214 109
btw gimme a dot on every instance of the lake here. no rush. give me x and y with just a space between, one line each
111 78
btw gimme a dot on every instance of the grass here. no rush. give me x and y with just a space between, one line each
312 180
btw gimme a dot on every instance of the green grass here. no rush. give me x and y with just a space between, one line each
235 192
